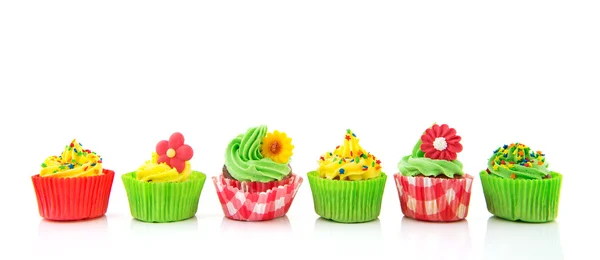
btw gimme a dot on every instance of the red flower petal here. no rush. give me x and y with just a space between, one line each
454 147
436 130
444 130
163 159
453 139
185 152
449 156
427 147
176 140
162 147
177 164
435 154
425 138
450 133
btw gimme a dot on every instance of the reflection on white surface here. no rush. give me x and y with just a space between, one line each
157 230
518 240
80 235
327 229
270 229
54 229
436 240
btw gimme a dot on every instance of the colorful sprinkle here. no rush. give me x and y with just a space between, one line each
348 137
44 165
373 164
93 164
513 176
353 134
71 166
378 162
365 167
342 171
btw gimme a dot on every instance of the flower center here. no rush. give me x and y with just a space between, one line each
275 147
440 144
171 153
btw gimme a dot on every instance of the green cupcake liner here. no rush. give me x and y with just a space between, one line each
347 201
524 200
163 201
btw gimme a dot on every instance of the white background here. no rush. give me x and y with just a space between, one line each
121 75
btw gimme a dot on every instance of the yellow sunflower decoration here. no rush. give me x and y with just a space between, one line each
277 146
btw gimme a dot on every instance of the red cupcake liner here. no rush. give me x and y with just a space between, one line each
434 199
73 198
255 201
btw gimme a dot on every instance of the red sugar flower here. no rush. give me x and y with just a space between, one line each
441 142
174 152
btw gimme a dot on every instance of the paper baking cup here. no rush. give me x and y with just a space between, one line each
347 201
73 198
434 199
163 201
253 201
522 199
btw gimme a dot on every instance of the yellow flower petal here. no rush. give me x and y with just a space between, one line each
277 146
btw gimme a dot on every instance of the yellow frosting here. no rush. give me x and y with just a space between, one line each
152 171
349 162
73 162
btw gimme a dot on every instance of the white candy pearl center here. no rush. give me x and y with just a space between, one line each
440 144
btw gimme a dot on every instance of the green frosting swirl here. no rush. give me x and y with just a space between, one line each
417 163
518 161
245 162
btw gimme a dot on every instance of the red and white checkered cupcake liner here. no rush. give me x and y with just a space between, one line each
434 199
256 201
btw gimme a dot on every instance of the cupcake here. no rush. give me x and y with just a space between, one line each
348 185
73 186
257 182
431 183
518 185
165 188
